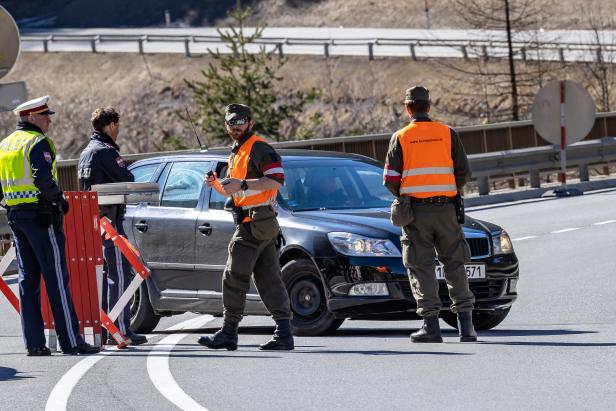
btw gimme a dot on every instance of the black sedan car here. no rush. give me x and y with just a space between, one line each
340 254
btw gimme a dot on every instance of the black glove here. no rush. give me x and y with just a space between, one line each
63 205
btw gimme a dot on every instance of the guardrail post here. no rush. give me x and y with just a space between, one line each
46 45
370 51
599 57
279 48
584 172
93 44
484 50
535 180
561 54
187 47
413 55
140 45
483 183
326 49
464 53
523 53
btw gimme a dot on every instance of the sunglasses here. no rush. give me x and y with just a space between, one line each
238 121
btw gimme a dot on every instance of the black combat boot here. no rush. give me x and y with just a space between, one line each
226 337
466 328
282 339
430 332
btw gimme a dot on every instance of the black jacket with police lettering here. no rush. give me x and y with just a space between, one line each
101 163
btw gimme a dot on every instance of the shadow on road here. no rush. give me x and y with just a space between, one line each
10 374
548 343
536 333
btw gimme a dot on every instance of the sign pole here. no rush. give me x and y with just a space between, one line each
563 135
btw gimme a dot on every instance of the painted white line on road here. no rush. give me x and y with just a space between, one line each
604 222
528 237
58 399
564 230
158 366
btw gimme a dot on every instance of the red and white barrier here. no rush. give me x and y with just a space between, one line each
132 256
6 261
84 259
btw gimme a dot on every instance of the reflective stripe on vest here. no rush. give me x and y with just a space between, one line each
239 168
427 164
15 169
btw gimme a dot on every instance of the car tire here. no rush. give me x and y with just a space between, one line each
308 302
482 320
143 320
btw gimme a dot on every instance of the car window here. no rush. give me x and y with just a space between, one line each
184 184
143 174
217 201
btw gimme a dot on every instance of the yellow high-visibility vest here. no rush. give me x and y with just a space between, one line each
15 168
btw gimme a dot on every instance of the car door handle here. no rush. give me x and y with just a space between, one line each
142 226
205 229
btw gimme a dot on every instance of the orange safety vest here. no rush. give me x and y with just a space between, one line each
428 166
239 168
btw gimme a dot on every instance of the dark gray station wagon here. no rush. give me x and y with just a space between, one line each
340 253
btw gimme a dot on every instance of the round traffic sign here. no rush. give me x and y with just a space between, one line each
579 112
9 42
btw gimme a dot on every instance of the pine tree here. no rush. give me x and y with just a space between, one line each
247 78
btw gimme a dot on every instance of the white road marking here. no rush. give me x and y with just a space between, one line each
158 366
564 230
528 237
604 222
58 399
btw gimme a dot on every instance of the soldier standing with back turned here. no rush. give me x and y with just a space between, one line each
255 176
426 162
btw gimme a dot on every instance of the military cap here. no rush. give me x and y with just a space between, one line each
236 110
35 106
417 93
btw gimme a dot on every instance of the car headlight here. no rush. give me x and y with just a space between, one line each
358 246
502 243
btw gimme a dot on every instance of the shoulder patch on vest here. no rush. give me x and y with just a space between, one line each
120 162
47 156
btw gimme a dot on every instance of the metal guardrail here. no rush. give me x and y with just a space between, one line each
467 48
537 159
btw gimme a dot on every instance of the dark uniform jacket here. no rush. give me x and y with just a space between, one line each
101 163
395 162
41 159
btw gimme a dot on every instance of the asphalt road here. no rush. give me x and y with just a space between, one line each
578 45
556 350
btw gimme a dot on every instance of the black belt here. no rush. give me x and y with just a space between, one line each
26 206
434 200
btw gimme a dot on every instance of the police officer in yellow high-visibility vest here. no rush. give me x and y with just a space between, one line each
255 175
426 165
36 207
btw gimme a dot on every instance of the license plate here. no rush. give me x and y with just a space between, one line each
473 271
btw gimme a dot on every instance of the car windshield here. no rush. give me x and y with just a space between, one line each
333 184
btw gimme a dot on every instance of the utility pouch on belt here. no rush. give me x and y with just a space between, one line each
263 224
236 212
460 208
401 211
